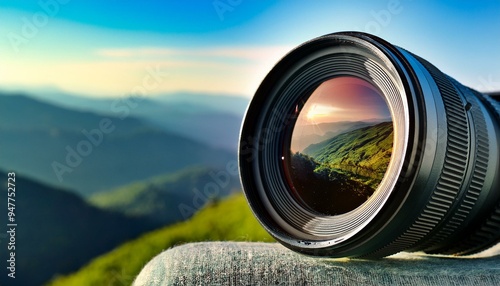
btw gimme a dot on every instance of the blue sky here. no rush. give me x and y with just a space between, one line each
107 48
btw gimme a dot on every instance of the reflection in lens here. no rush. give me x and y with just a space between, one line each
341 146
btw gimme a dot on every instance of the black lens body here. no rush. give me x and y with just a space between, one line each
439 189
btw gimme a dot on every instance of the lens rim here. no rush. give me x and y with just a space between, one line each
253 168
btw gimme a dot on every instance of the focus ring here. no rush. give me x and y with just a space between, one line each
453 171
476 183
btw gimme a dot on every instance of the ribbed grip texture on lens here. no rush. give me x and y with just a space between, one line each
453 171
475 186
487 234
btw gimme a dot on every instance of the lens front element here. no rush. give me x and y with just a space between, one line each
341 146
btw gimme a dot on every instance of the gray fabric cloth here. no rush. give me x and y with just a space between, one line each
242 263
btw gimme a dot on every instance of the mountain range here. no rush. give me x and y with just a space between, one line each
90 152
137 173
216 119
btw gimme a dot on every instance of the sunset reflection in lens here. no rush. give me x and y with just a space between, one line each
341 146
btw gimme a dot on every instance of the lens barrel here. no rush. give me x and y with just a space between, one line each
353 147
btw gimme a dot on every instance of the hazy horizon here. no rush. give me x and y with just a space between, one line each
227 48
53 90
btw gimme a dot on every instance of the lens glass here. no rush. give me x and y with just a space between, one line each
340 147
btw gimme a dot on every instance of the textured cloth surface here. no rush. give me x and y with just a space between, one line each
241 263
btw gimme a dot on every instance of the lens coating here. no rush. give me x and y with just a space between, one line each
341 146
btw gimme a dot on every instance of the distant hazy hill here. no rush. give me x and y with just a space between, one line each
19 112
226 103
169 198
34 135
235 105
214 128
230 219
210 119
58 232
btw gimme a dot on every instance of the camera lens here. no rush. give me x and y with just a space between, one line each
341 145
354 147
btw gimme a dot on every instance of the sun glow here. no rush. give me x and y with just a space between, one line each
318 111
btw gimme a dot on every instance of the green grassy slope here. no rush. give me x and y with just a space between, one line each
230 219
345 170
364 152
159 198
